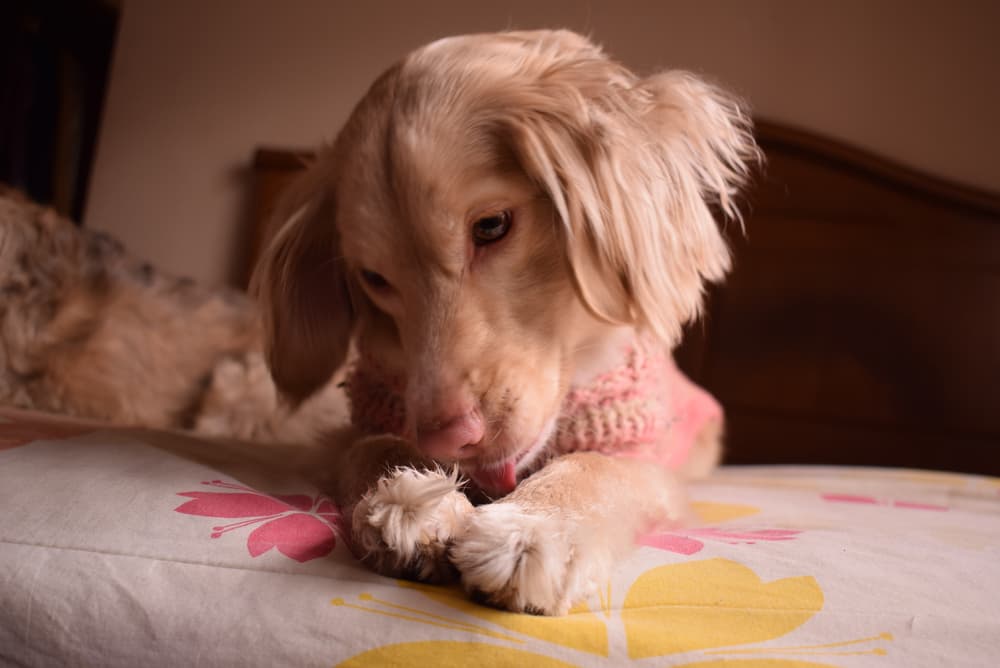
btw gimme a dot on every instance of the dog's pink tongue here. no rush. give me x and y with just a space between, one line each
495 480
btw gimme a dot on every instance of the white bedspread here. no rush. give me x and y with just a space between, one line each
117 553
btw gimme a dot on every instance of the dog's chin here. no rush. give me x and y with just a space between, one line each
499 478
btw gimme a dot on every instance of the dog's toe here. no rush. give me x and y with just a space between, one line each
404 525
522 561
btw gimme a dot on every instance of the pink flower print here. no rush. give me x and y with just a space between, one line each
872 501
690 541
300 526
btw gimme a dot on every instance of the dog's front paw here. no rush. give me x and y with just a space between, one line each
403 526
527 561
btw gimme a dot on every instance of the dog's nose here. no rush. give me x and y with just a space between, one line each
447 439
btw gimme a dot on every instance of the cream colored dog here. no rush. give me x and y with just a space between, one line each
502 218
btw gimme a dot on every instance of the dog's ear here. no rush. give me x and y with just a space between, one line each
634 168
302 288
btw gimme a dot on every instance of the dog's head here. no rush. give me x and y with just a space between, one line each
493 209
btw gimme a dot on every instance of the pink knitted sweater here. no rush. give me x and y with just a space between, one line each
646 408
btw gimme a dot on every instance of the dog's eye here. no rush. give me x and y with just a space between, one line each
491 228
374 280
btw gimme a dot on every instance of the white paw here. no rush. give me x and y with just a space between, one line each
239 397
403 526
538 563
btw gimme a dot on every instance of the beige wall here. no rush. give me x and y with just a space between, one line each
197 84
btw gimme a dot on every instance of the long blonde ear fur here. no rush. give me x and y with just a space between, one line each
301 286
634 167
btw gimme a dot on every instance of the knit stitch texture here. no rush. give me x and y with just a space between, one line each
645 408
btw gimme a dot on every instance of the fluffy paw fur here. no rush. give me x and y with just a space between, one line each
525 561
403 526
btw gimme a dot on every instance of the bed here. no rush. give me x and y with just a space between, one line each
856 352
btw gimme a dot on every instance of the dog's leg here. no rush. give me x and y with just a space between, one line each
403 509
554 539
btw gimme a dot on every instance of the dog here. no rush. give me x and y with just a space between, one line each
88 331
512 229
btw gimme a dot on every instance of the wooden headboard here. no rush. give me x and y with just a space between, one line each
861 323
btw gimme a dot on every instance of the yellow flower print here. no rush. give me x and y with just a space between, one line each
690 610
457 654
756 663
709 512
712 603
582 629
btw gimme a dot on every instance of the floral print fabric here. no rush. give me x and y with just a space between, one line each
114 552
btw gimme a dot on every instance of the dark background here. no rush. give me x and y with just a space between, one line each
54 61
